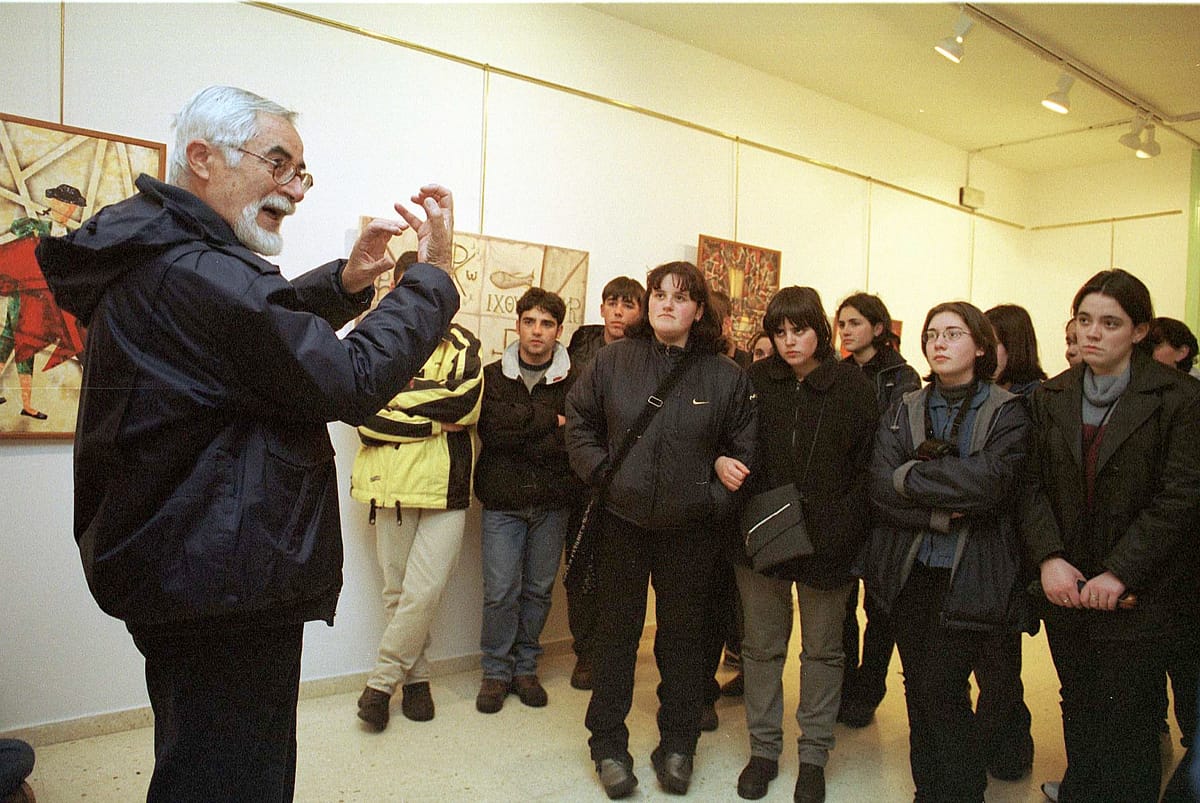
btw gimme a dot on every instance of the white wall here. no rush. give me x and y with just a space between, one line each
378 120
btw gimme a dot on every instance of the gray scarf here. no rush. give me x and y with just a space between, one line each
1100 393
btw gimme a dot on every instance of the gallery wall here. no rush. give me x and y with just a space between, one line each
587 133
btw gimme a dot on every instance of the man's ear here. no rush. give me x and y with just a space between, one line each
199 158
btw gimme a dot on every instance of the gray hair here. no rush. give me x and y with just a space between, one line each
225 116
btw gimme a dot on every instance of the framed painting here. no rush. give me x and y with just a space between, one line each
492 273
52 178
748 273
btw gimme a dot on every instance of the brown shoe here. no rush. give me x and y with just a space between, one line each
530 690
373 708
417 702
581 677
492 692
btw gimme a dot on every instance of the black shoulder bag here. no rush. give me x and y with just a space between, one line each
581 557
773 521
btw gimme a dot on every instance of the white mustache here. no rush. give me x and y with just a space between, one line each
278 203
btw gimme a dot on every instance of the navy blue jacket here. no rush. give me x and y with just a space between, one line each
204 475
912 497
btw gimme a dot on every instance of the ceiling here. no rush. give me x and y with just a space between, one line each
880 58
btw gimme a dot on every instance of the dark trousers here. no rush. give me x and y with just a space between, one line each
679 564
1110 716
581 602
224 705
944 747
723 625
866 680
1004 719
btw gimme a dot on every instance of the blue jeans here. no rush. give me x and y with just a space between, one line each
521 552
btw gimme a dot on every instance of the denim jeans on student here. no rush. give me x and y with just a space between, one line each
521 552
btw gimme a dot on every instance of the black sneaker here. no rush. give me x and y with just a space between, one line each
616 777
756 777
674 771
810 784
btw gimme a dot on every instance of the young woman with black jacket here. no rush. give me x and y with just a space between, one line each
944 554
1118 445
661 512
817 416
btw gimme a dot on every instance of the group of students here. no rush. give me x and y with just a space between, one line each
973 508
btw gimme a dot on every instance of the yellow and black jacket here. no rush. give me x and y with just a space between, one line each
406 459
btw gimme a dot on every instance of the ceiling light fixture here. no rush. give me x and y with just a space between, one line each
1149 148
1058 100
1133 137
952 46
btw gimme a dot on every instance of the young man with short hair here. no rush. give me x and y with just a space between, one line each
526 487
620 308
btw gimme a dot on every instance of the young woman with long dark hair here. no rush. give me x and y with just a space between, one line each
865 327
944 555
660 521
1118 445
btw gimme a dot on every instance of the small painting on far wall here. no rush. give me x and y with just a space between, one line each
52 178
748 273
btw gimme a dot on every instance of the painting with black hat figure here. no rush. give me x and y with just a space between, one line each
52 178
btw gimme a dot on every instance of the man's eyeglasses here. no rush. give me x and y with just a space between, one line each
284 170
952 334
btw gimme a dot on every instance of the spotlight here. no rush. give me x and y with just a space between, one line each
952 46
1133 137
1058 100
1149 148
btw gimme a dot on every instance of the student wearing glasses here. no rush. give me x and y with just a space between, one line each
944 554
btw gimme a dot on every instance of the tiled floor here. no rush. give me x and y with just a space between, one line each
541 754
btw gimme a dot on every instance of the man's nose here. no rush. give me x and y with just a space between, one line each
294 189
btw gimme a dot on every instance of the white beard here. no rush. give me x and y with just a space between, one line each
254 236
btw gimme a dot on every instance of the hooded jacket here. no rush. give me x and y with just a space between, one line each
912 497
891 374
523 462
407 459
204 475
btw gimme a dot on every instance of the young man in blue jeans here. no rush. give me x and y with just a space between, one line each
527 488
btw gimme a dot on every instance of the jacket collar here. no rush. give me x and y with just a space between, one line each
199 219
560 364
820 379
1139 401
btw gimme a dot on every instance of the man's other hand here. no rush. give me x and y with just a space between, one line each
435 234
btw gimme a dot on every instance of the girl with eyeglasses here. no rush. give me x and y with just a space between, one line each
1118 445
944 554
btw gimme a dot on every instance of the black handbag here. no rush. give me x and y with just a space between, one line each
581 563
773 524
773 521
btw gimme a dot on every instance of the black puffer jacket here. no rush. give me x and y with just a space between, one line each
1147 494
834 486
523 462
204 474
912 497
667 480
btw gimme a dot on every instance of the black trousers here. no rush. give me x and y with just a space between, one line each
866 680
1004 719
679 563
945 752
723 624
581 602
1110 713
224 705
